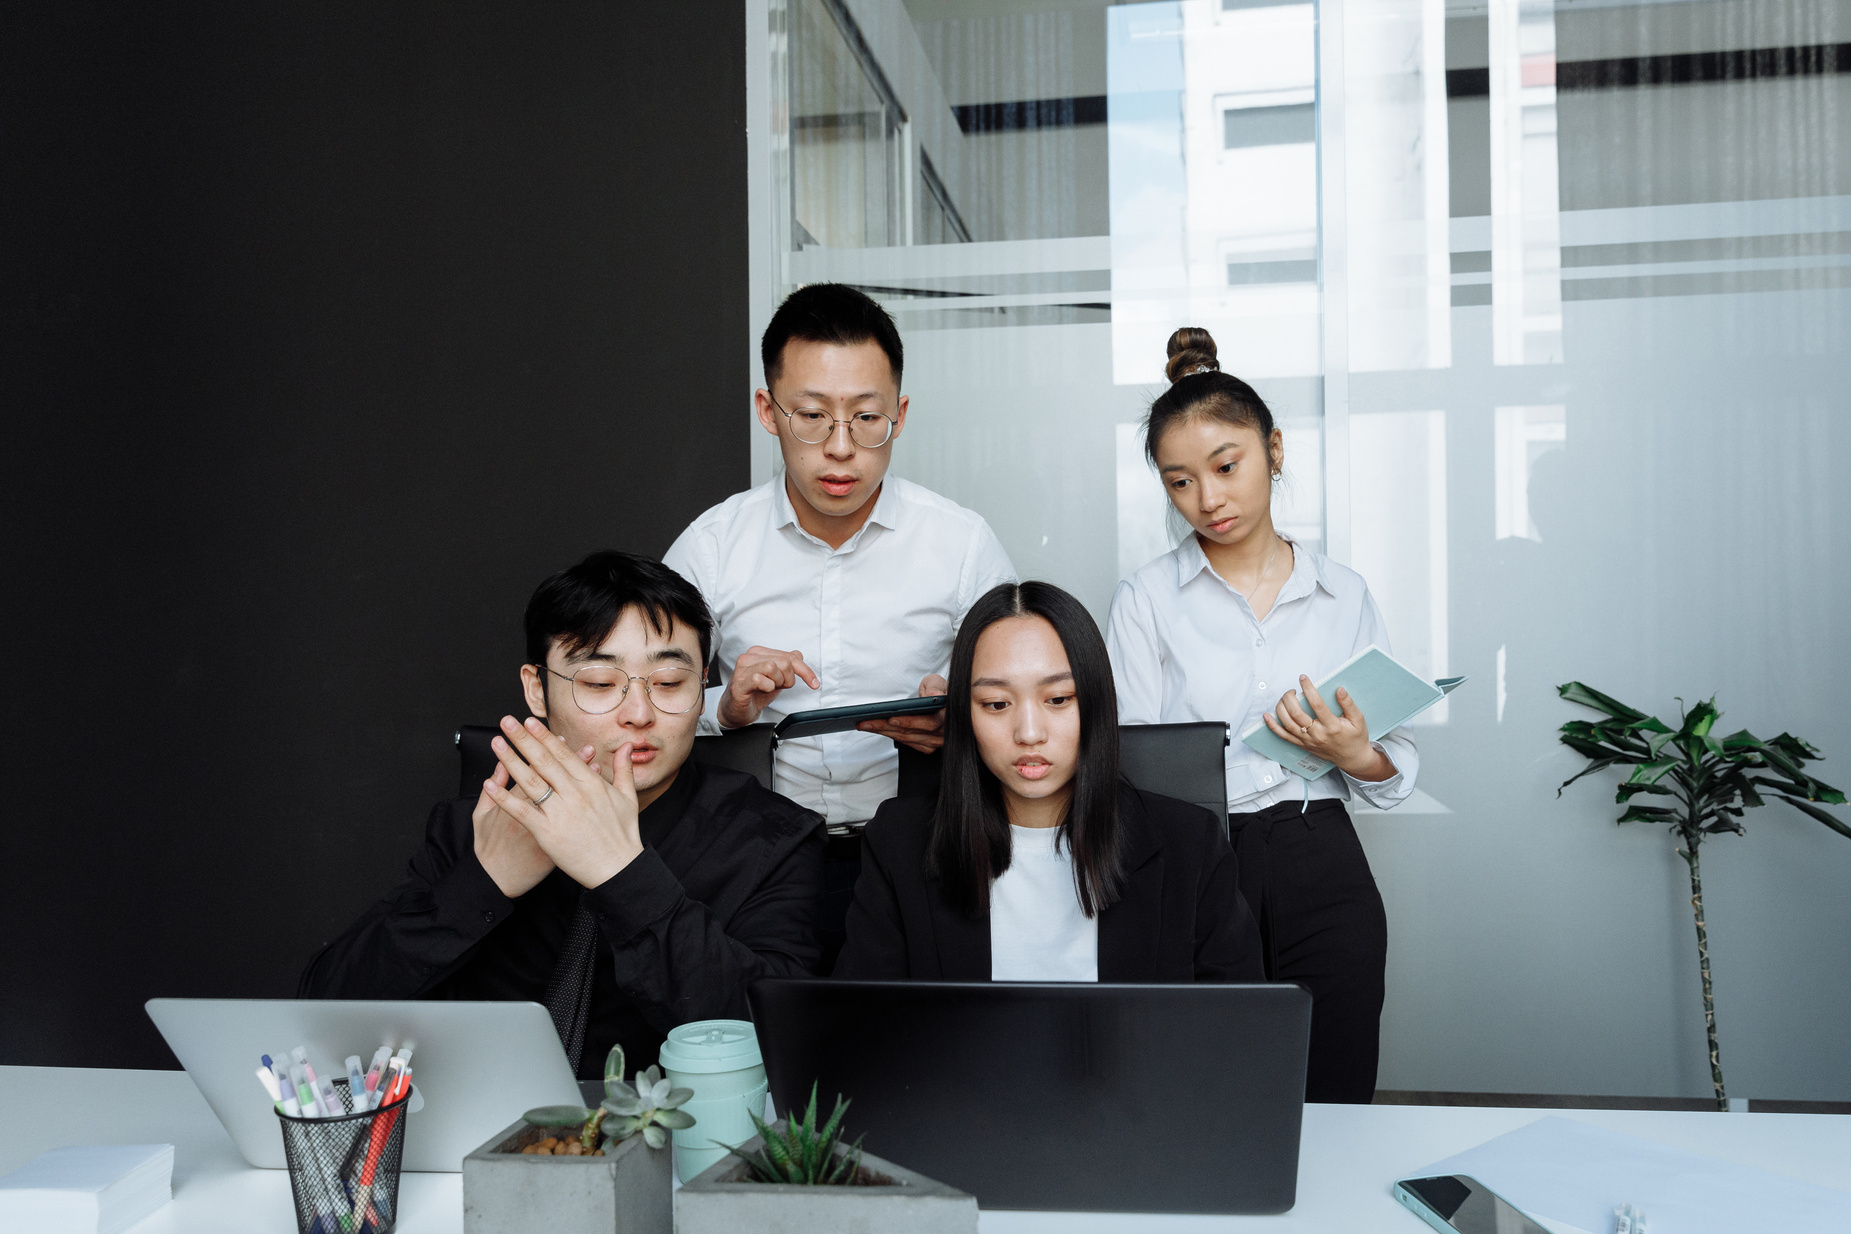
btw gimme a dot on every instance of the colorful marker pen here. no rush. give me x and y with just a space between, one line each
267 1078
356 1083
303 1077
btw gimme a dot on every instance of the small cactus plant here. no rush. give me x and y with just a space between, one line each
649 1108
802 1153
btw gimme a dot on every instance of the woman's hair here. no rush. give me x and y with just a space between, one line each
1198 387
970 831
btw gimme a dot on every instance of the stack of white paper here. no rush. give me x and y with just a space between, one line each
1571 1175
91 1190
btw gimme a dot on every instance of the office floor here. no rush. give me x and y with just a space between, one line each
1557 1101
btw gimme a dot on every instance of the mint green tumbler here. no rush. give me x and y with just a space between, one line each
719 1060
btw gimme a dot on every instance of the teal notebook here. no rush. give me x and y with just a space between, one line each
1388 692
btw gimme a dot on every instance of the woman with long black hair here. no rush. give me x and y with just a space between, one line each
1228 626
1035 861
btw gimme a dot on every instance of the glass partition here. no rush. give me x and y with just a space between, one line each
1553 301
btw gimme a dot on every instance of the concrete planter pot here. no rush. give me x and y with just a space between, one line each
722 1200
627 1191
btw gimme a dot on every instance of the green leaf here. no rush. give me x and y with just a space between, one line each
654 1136
1590 769
1575 692
1657 742
626 1105
780 1154
676 1096
557 1116
1741 784
613 1066
1699 719
1794 748
675 1120
1627 791
1647 814
835 1120
1808 808
1650 773
1785 763
1596 743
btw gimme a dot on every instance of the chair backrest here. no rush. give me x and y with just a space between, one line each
1186 761
746 749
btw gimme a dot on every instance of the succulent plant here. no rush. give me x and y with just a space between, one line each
801 1152
649 1108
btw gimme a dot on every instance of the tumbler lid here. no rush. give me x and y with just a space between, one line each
707 1046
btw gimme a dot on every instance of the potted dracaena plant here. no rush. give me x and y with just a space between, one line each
798 1175
572 1169
1698 783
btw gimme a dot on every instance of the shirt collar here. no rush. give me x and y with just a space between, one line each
886 508
1307 568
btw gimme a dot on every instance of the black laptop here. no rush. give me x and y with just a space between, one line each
1054 1096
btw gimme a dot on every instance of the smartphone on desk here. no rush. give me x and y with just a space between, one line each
1460 1204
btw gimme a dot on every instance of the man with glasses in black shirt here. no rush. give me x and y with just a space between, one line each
600 871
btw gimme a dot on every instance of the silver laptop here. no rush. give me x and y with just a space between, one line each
476 1067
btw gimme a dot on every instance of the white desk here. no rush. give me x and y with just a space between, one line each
1351 1155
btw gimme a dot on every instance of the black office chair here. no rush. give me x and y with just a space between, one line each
746 749
1186 761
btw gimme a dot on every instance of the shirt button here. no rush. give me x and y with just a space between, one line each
489 918
1266 779
1259 642
1261 686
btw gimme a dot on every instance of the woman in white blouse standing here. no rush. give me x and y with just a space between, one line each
1226 627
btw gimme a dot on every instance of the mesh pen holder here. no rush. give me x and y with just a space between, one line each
344 1170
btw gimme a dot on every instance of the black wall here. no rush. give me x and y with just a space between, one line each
326 331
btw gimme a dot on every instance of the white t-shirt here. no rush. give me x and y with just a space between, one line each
1037 931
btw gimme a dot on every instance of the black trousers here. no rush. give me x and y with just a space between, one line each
1321 925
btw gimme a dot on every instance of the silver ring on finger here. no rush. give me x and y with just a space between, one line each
541 799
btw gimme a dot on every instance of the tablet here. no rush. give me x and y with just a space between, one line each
842 719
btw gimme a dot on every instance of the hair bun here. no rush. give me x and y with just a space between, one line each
1191 349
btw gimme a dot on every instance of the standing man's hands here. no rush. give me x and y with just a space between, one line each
925 734
1340 739
507 850
761 674
582 822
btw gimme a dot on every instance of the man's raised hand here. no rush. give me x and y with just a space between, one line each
761 674
584 823
507 850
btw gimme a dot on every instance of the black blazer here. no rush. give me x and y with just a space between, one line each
725 891
1180 915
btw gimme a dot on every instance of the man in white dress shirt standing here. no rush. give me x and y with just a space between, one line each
835 583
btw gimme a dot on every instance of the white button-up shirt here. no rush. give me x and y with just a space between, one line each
1185 647
873 617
